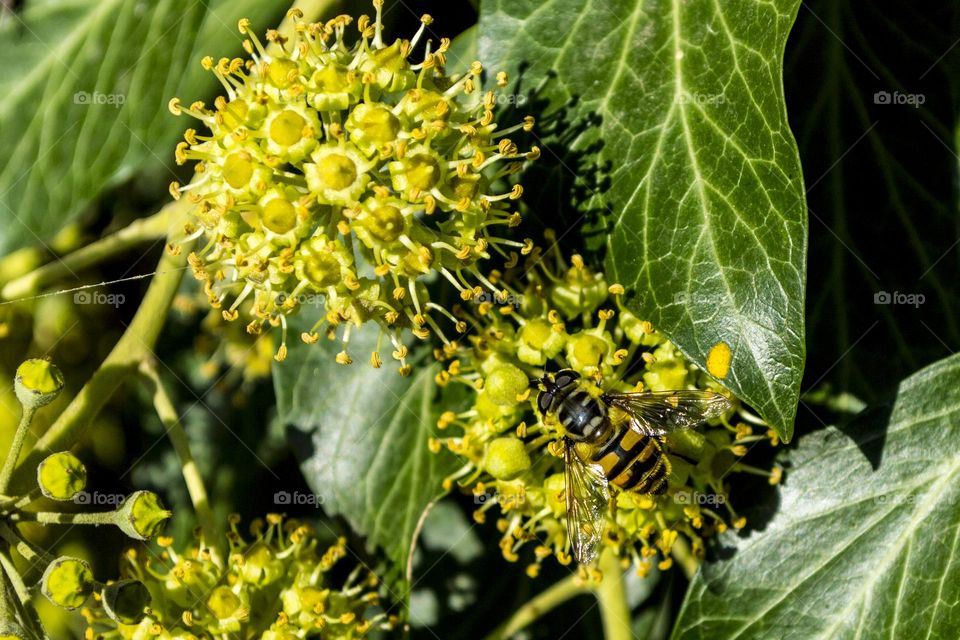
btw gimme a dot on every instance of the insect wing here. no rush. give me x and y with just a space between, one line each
587 494
657 413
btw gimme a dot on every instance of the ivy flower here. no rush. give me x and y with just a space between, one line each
566 316
349 174
274 586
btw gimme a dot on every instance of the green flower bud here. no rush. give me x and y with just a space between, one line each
636 330
585 350
141 516
37 382
61 476
581 292
224 603
506 458
538 342
67 582
505 383
261 565
554 487
125 602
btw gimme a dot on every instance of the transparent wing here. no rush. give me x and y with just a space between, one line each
587 494
657 413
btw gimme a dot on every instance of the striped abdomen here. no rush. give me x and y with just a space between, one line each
634 462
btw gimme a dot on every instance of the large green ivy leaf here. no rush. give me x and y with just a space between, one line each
679 107
852 552
85 84
362 436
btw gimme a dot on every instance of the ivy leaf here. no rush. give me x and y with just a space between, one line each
85 86
679 107
852 552
361 434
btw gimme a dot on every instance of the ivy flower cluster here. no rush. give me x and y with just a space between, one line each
565 315
343 177
274 586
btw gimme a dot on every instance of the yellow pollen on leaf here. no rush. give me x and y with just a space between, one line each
718 360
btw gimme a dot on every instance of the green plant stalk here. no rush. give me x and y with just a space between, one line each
55 517
24 548
10 578
10 463
685 558
138 232
612 597
181 444
539 605
135 346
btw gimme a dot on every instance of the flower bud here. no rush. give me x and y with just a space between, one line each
67 582
505 383
538 342
141 516
506 458
125 601
61 476
37 382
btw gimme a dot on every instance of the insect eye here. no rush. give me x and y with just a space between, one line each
566 378
544 400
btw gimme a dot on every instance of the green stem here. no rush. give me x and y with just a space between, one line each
181 444
684 556
544 602
14 453
612 597
24 548
55 517
134 346
138 232
19 588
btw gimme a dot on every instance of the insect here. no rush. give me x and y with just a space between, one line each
615 438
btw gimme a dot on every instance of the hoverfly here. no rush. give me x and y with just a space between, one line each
615 438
